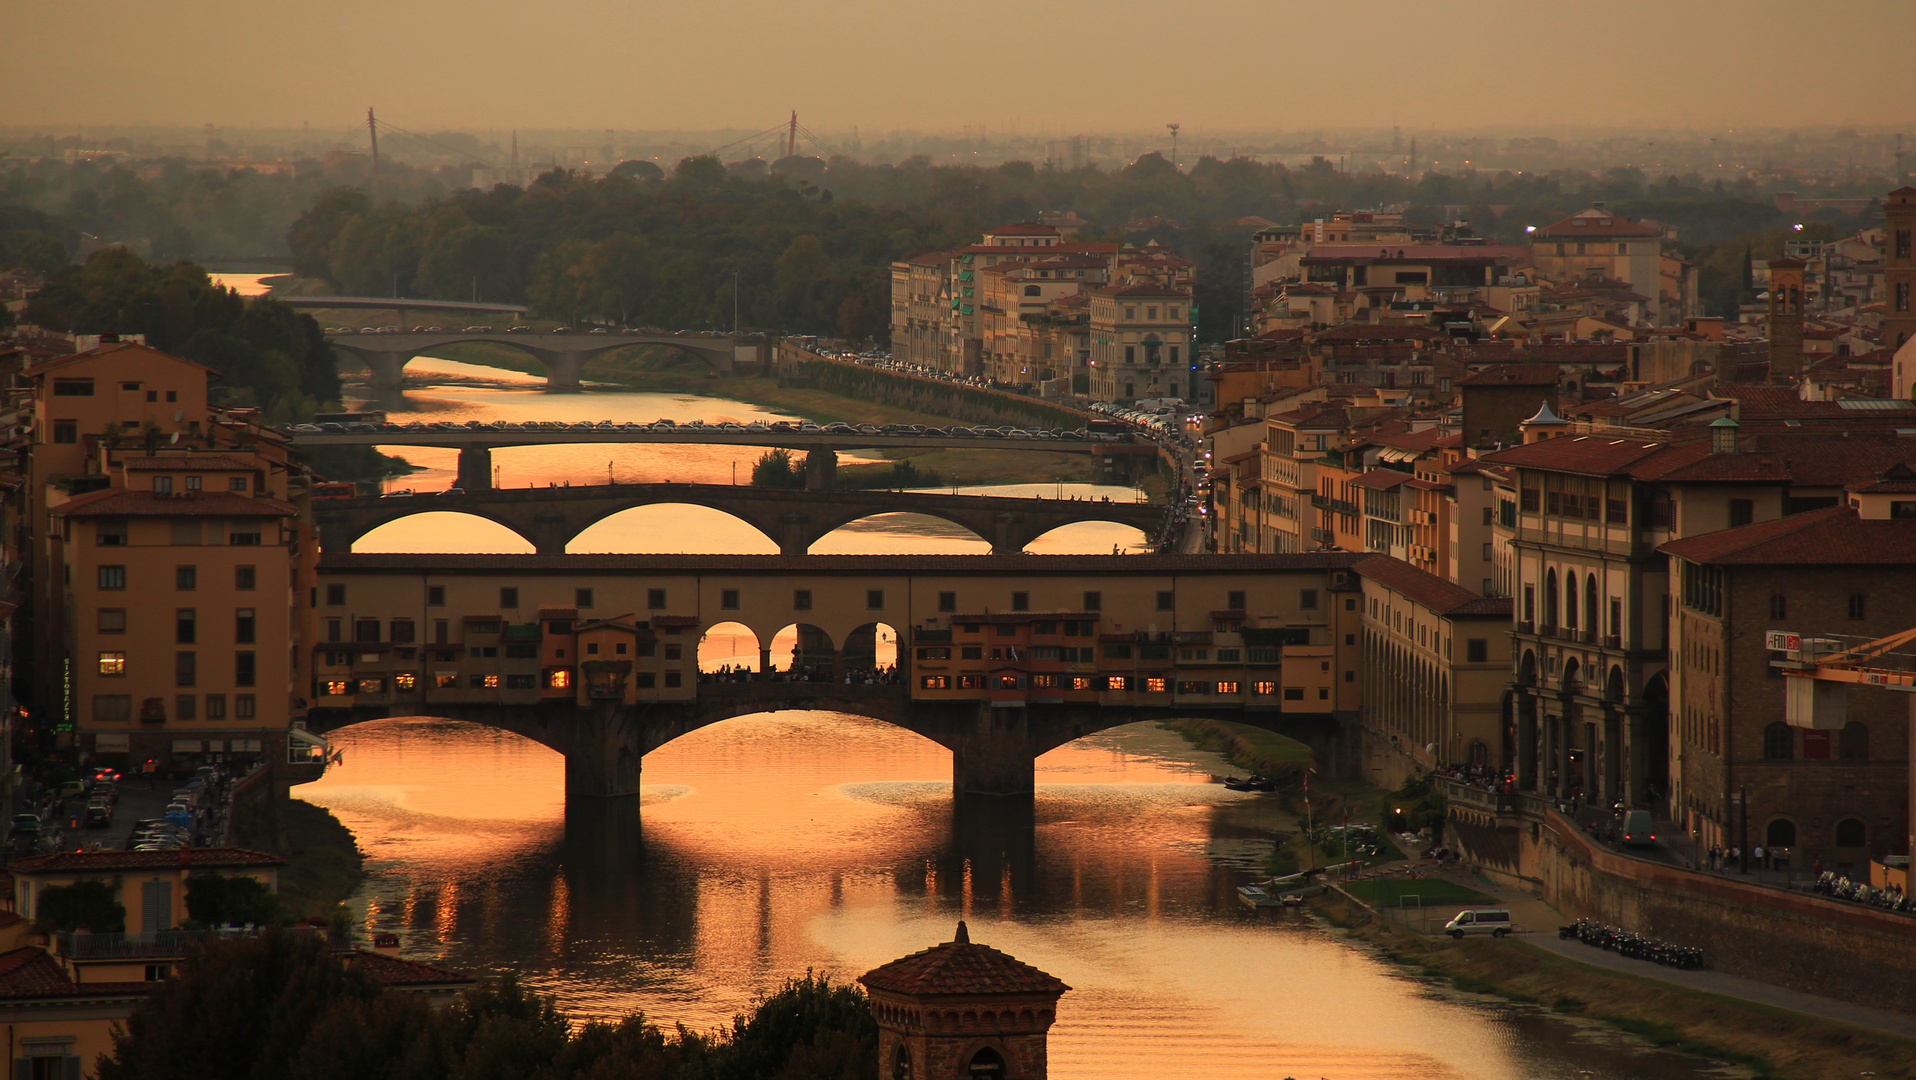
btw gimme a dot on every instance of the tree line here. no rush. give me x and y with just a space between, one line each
283 1006
804 246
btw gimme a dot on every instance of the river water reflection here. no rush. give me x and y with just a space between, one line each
772 844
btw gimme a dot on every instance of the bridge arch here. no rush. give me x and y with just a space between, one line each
732 645
849 538
871 652
802 652
563 356
1092 536
419 529
709 531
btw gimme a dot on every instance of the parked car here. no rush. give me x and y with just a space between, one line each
1492 921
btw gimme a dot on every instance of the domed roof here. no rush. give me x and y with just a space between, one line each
1544 416
959 967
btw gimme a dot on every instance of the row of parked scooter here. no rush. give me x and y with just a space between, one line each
1831 884
1634 946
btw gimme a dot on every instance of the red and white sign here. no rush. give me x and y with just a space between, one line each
1782 641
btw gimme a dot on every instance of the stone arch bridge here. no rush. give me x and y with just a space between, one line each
564 355
549 518
994 750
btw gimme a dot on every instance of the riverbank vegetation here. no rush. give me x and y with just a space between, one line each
323 861
1252 749
1771 1043
283 1006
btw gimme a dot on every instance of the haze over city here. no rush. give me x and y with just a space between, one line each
1219 66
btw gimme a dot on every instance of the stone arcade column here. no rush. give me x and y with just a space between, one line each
821 469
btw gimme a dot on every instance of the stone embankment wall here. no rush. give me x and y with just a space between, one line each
1833 948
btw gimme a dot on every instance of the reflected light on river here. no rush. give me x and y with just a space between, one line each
768 845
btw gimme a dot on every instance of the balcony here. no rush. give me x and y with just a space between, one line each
1613 641
1589 637
1548 630
1525 626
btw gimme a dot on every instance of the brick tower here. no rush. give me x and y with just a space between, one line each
1899 268
960 1011
1786 317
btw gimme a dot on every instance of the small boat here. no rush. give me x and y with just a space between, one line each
1240 783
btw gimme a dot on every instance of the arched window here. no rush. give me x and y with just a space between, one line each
1779 742
1033 290
1479 753
986 1064
1570 601
1850 832
1853 742
1550 598
1780 833
1590 603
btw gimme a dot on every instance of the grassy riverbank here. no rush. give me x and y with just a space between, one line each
1771 1043
1249 748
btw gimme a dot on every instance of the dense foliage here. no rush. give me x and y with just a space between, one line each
281 1006
264 353
83 905
222 900
804 247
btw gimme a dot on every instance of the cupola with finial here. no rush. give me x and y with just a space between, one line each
962 1011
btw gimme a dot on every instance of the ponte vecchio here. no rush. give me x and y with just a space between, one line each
999 658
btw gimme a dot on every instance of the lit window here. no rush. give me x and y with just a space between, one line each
1081 682
492 682
112 663
560 679
338 687
405 681
1007 682
1265 689
1227 688
1154 685
1115 682
445 682
937 682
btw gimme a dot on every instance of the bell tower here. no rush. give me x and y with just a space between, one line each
1899 268
960 1011
1786 317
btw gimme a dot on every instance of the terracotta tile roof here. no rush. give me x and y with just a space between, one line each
1898 479
1593 455
1429 590
178 462
1022 228
212 858
394 971
1427 439
31 972
1596 223
1514 375
953 565
1382 480
960 967
1833 536
107 350
1355 333
121 502
1417 252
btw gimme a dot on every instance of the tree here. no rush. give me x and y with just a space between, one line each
775 469
798 280
219 900
83 905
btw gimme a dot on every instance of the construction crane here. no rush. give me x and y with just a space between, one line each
1820 673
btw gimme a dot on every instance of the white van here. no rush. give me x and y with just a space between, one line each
1492 921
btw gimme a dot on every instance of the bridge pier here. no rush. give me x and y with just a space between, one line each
563 369
995 756
605 751
475 468
1008 535
388 370
821 470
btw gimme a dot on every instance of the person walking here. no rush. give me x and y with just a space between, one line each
1758 852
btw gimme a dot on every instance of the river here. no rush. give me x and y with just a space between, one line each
773 844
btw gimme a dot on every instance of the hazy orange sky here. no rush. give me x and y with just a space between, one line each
1061 66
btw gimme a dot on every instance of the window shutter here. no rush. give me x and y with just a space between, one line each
22 1069
72 1067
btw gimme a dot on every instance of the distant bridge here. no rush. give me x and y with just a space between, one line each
549 518
398 304
475 442
564 355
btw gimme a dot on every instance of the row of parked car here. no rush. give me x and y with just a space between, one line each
700 426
